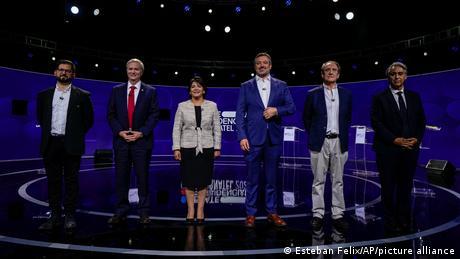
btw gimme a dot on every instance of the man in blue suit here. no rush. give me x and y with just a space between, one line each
327 117
262 102
132 113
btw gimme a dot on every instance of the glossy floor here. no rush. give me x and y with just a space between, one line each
23 206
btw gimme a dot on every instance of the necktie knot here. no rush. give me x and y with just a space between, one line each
399 93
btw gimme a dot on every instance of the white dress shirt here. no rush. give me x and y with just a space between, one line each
136 91
263 85
59 110
331 97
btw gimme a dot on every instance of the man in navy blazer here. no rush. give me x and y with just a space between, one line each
132 138
65 115
327 117
398 120
262 103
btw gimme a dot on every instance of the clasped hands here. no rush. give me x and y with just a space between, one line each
408 143
270 112
130 136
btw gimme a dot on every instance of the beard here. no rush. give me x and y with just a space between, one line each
64 80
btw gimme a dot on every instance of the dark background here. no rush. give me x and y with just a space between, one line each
299 37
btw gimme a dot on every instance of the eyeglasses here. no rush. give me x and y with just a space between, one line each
68 71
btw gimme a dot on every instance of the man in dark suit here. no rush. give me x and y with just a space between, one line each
262 102
65 114
132 113
398 120
327 117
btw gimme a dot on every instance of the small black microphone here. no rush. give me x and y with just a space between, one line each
332 99
62 98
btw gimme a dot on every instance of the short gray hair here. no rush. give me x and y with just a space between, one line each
396 64
135 60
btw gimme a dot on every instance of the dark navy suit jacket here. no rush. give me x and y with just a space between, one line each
250 122
387 122
315 117
79 120
146 114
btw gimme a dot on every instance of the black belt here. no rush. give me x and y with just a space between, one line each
57 136
332 135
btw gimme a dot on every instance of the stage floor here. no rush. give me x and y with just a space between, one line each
24 207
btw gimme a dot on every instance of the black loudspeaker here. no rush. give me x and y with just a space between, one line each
103 157
440 172
19 107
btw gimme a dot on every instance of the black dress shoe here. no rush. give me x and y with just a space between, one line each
70 222
116 220
50 224
317 223
341 225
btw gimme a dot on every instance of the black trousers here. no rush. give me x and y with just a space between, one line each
397 169
59 166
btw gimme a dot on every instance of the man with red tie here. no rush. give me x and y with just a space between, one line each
132 113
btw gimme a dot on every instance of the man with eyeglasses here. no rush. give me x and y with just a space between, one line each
65 114
398 120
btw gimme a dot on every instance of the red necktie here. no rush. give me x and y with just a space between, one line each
131 106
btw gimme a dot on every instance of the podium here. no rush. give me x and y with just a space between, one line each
360 157
425 192
290 167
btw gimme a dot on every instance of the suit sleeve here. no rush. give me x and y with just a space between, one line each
217 132
153 115
241 110
377 114
176 134
112 116
88 113
288 106
308 112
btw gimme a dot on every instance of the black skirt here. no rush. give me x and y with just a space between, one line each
196 171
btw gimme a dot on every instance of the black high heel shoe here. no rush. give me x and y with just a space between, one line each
200 221
189 221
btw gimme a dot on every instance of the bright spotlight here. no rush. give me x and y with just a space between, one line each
212 75
74 9
96 65
176 73
337 16
162 5
293 72
252 74
210 11
207 28
350 15
376 62
96 12
227 29
263 8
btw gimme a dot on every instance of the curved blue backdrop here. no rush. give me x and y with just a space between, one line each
20 137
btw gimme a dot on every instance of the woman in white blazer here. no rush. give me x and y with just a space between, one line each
196 143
